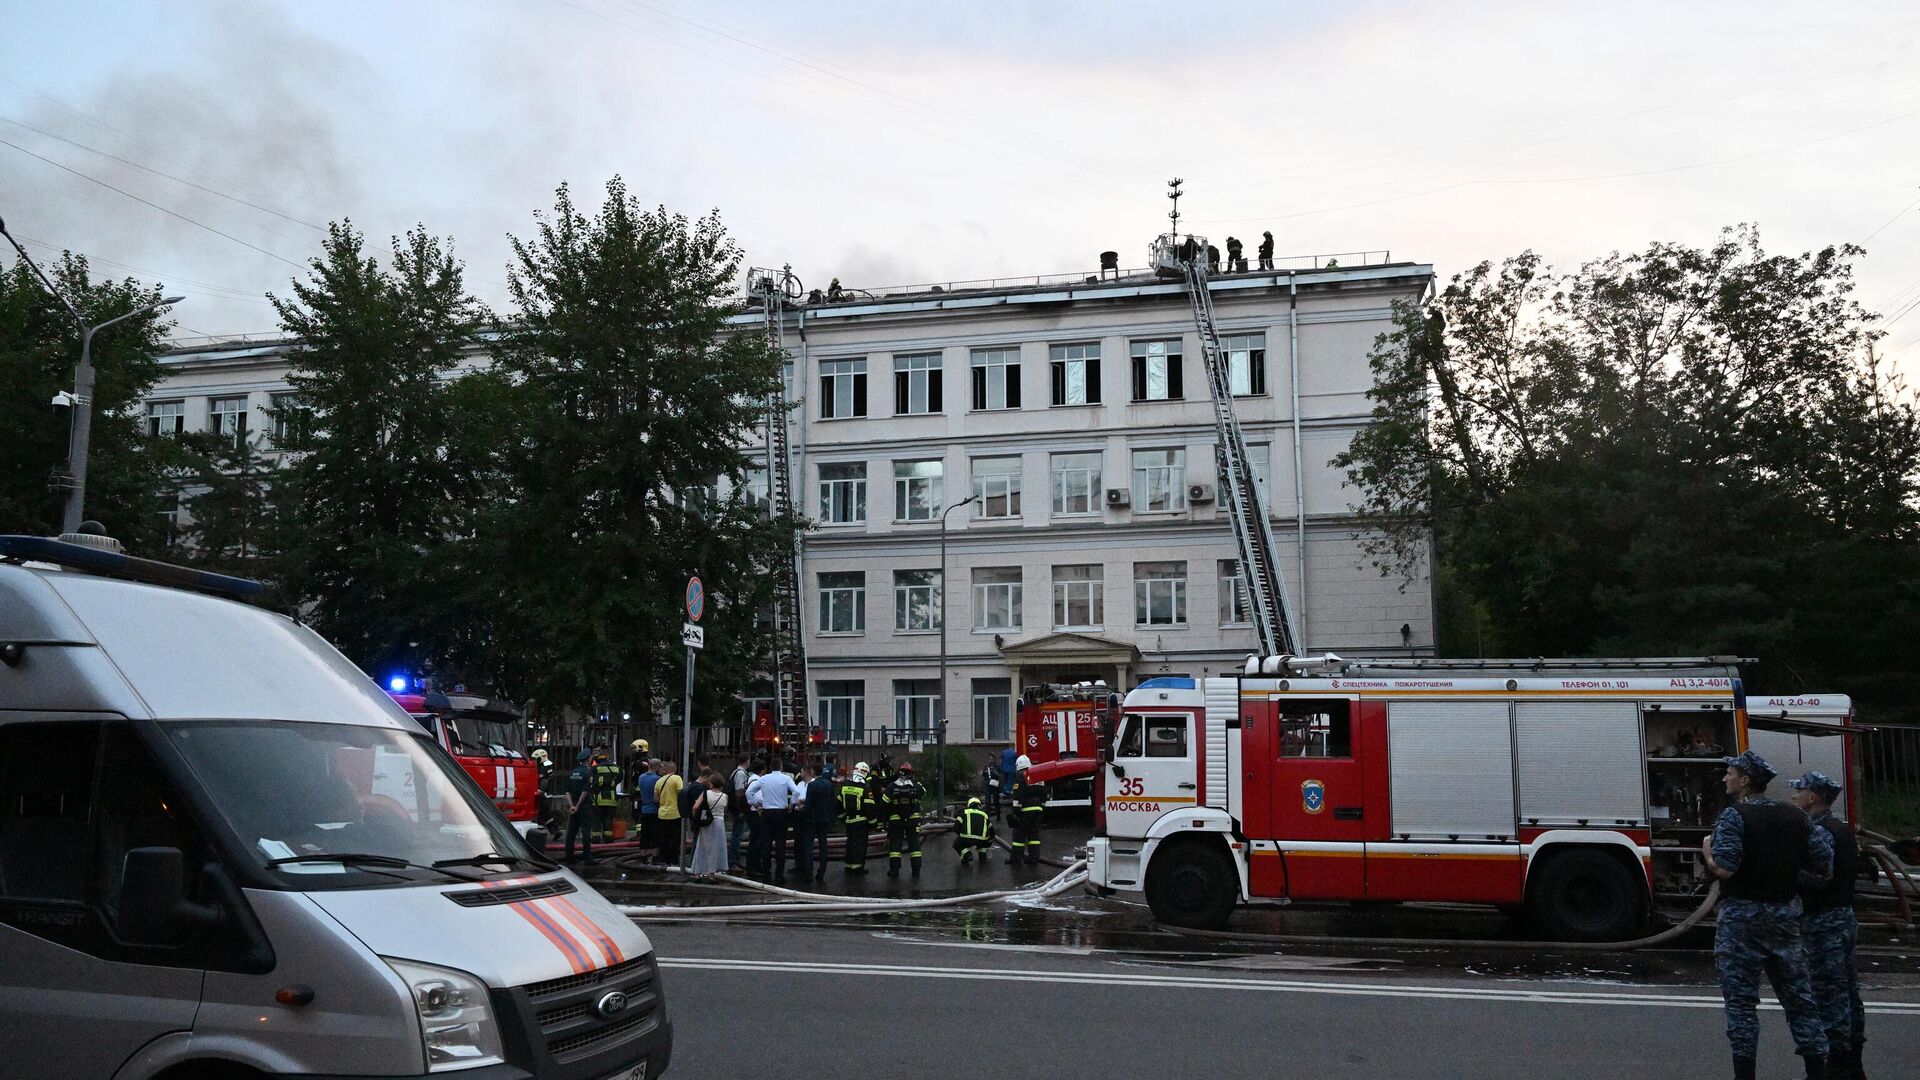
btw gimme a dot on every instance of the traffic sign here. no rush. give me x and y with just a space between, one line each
696 598
693 635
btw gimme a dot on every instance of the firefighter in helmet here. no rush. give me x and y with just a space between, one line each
902 803
856 809
606 793
975 833
1029 802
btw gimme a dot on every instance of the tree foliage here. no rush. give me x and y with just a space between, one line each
130 477
375 498
1677 451
623 462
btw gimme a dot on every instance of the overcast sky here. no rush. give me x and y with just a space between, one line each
902 141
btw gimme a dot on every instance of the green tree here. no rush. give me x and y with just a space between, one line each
374 497
236 507
130 477
633 402
1682 450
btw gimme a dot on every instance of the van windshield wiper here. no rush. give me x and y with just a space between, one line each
344 858
363 861
486 857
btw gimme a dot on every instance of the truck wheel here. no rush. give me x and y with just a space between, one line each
1194 886
1587 895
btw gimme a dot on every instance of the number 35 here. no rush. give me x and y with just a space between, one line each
1132 785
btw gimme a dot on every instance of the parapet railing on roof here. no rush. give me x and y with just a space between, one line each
1286 264
209 341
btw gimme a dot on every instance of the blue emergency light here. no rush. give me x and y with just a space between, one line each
397 684
114 564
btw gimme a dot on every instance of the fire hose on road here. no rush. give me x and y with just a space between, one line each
797 901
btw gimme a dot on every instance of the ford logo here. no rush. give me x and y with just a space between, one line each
611 1004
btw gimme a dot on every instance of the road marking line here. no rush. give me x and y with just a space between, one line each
1192 982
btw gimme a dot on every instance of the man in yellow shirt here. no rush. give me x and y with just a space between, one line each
667 796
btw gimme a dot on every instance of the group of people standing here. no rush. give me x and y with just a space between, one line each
1787 874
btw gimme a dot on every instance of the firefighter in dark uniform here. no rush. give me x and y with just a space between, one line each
606 793
856 809
902 804
580 807
975 833
1764 852
1828 929
1029 802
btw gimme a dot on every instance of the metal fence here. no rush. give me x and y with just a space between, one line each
1887 765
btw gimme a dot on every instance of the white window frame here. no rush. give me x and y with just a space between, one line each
921 588
924 396
1002 586
1236 605
923 696
1062 361
283 406
1090 592
224 419
1170 471
843 389
1002 485
1246 364
1159 586
1161 363
1071 478
159 413
843 714
845 595
904 483
843 499
987 727
995 379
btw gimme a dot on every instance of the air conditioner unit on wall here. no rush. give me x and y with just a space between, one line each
1199 493
1118 497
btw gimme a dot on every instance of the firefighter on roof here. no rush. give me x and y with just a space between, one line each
1829 928
1029 802
856 809
902 803
1764 851
975 833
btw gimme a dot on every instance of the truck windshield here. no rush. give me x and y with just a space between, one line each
379 796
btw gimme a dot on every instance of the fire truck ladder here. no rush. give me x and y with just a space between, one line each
1260 569
791 724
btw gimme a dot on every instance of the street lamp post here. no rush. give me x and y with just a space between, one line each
940 727
80 438
82 433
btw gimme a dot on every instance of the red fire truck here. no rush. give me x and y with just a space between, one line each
489 740
1576 790
1058 728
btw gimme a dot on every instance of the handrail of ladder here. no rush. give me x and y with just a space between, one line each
1260 569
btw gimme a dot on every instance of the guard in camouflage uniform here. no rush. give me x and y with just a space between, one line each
1828 929
1764 852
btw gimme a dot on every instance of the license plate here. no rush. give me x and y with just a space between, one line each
631 1072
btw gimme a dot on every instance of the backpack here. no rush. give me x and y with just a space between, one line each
692 797
702 812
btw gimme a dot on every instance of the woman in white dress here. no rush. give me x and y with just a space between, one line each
710 840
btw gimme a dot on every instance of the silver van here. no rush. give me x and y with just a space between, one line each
224 852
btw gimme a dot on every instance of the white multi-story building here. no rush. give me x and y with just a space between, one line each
1074 411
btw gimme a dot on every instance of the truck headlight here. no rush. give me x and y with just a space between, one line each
456 1020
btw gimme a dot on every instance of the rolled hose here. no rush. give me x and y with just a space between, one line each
1070 878
1661 938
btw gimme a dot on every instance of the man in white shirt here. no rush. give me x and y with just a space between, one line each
771 796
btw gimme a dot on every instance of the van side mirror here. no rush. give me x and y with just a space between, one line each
538 839
154 909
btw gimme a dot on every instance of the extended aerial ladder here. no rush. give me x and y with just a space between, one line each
1239 493
791 724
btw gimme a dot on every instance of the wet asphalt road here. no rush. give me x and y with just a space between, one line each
1083 987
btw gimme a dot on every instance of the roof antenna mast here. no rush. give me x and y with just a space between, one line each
1173 192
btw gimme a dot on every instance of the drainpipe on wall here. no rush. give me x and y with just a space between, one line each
1299 469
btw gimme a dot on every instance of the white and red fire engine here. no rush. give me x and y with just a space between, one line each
1058 728
1575 789
488 738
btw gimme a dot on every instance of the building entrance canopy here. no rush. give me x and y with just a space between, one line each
1071 658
